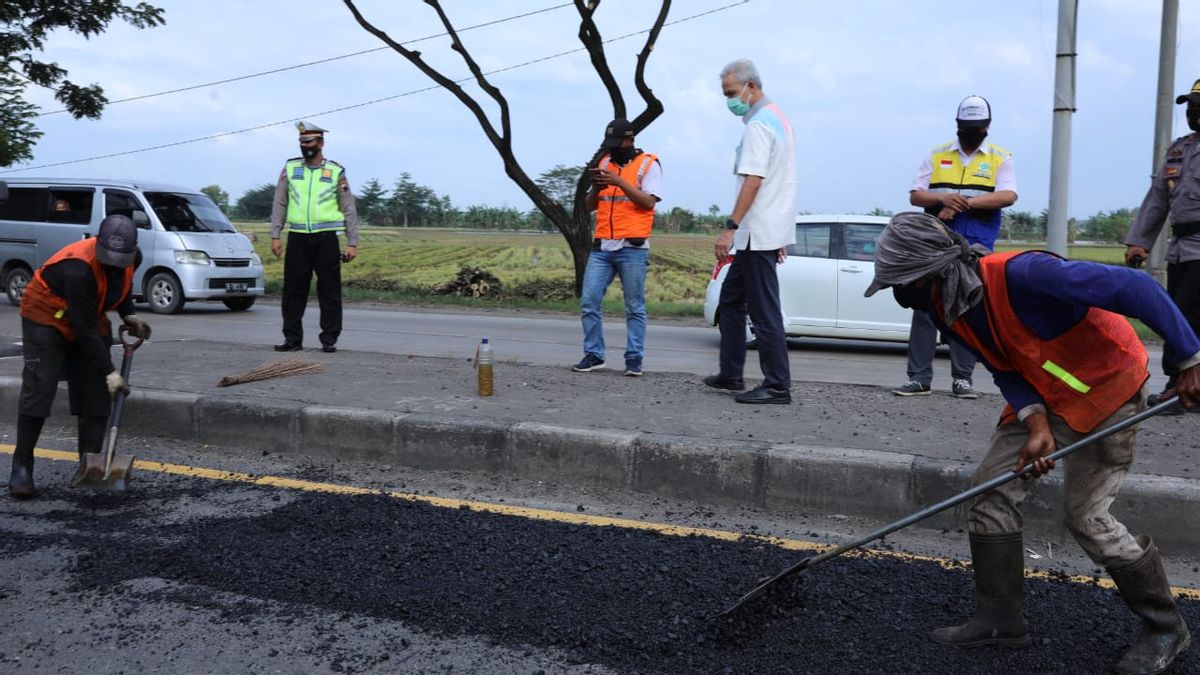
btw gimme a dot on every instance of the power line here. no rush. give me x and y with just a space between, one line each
367 103
319 61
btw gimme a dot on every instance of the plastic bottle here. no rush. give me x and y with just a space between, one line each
483 363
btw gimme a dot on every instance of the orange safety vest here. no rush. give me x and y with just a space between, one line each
616 215
40 305
1083 375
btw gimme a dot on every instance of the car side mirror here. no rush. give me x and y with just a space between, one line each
141 220
3 192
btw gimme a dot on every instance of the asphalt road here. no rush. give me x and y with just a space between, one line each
686 346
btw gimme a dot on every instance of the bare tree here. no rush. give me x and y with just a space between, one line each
574 226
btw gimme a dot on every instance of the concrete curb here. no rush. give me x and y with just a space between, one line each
781 478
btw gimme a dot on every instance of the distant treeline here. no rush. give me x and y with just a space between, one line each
410 204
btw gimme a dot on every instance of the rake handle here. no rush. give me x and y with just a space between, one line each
949 502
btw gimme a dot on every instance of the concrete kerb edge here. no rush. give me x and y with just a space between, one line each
775 477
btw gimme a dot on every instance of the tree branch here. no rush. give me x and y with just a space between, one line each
654 107
589 35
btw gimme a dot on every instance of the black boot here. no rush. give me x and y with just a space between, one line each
1144 586
20 483
999 561
91 440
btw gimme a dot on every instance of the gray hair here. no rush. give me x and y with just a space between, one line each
742 70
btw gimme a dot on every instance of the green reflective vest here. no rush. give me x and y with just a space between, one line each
312 197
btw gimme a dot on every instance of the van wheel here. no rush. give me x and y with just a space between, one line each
14 284
164 293
239 304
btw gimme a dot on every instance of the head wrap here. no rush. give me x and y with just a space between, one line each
917 245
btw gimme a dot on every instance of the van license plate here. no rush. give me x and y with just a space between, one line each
239 287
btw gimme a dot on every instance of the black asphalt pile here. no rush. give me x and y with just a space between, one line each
629 600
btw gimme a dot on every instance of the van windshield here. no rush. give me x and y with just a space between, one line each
181 212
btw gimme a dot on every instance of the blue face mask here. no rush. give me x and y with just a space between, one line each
736 105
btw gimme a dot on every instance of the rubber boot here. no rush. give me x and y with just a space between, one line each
1144 586
91 440
20 483
999 561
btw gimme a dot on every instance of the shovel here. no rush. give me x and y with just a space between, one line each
107 470
992 484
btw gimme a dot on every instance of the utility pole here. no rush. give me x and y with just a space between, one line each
1164 112
1060 144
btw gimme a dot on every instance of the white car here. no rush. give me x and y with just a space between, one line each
821 284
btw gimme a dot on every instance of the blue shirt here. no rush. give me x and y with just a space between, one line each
1051 295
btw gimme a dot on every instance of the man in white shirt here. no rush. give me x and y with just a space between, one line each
965 184
761 226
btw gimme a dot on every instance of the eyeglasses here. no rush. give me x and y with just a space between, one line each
310 139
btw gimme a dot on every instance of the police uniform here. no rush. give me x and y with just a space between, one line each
1175 192
315 204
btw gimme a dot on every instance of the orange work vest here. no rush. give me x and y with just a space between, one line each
1083 375
616 216
40 305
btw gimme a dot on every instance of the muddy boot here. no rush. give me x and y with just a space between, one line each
999 561
91 440
1144 586
20 483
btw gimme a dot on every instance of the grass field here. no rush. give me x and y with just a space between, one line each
405 265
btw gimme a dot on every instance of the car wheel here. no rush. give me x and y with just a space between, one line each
239 304
164 293
14 284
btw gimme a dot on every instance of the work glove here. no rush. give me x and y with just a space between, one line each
139 328
115 383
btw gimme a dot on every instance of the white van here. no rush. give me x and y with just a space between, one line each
190 250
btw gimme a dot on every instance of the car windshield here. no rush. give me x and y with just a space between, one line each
188 213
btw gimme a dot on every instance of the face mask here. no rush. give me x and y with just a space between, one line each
736 105
972 138
1193 118
309 151
911 297
623 155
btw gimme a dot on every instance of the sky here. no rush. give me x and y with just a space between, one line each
870 87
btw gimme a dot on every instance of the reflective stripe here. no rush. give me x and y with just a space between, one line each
301 228
963 191
642 169
611 198
1071 381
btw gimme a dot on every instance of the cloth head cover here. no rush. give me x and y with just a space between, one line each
974 112
616 132
1193 95
917 245
116 243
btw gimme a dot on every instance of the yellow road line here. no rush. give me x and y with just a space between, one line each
554 516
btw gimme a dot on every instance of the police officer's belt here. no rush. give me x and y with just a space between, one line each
1185 229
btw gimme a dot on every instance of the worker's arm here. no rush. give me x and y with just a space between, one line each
1150 216
80 292
741 207
279 212
350 210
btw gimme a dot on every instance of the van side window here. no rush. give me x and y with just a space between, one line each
72 206
25 204
122 203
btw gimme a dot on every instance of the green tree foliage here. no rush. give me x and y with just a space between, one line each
370 203
219 197
1108 226
559 183
408 206
256 203
25 26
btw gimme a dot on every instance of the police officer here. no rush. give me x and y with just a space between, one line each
64 326
314 199
1175 191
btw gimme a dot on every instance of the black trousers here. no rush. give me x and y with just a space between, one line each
47 353
1183 285
752 288
306 254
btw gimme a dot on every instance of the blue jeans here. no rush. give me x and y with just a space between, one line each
922 343
602 266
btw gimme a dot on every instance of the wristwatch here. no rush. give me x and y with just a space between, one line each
730 224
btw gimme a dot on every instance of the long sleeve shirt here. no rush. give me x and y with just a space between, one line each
1051 295
73 281
345 200
1175 190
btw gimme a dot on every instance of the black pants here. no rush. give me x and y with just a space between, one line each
1183 285
308 253
47 353
752 288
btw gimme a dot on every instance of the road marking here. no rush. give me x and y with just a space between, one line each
560 516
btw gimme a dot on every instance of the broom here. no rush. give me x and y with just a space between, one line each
276 368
